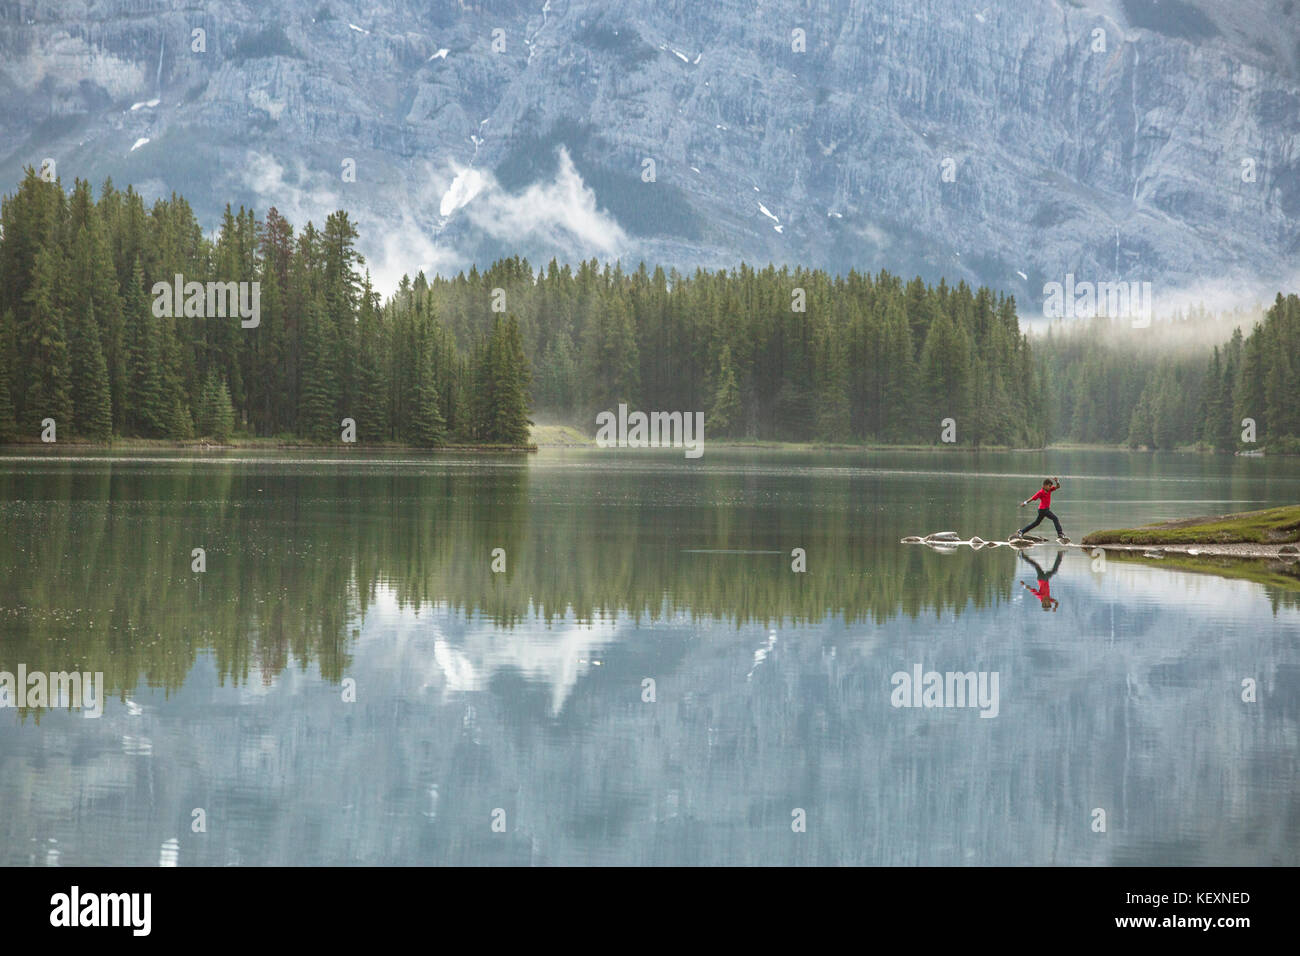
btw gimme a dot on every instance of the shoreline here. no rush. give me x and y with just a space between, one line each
261 444
1210 550
569 436
571 439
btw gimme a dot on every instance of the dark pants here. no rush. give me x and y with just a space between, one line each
1043 513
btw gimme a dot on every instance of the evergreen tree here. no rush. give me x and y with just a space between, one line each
92 411
42 346
341 294
557 376
612 359
371 378
724 413
318 391
776 353
146 414
216 419
510 421
428 428
945 371
8 422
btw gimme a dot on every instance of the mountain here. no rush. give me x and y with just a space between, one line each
1010 143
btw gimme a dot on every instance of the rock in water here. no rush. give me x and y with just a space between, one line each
911 539
943 536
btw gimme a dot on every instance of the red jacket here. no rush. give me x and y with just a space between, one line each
1044 497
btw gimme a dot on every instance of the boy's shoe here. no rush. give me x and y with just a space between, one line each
1062 539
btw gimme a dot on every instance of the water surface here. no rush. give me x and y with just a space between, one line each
520 696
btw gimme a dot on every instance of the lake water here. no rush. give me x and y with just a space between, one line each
510 718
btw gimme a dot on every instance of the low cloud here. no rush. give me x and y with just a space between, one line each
561 214
559 217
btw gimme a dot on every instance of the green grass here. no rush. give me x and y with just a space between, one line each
559 435
1271 526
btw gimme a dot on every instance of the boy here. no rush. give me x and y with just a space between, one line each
1044 498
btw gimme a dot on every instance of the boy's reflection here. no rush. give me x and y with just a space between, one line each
1044 590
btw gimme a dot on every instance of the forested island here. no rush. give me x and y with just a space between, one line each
92 338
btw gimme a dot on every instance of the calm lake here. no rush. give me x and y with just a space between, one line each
647 681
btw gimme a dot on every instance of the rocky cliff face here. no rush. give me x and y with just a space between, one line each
1010 144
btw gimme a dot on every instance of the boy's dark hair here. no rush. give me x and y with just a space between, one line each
1047 482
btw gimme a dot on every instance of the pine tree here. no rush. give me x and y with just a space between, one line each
511 422
428 427
1139 432
557 377
216 419
92 411
371 378
8 422
341 291
724 413
1248 394
107 300
611 357
898 413
318 391
42 346
146 415
945 370
1218 430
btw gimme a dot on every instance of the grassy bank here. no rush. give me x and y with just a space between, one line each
1271 526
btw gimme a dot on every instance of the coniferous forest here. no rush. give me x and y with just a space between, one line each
1191 381
81 341
772 354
